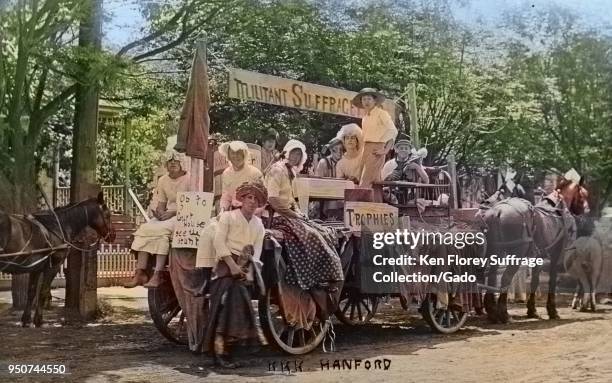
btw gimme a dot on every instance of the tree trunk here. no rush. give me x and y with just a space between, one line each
81 281
23 202
19 290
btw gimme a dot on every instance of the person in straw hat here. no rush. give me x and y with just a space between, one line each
239 172
333 153
379 132
154 236
238 242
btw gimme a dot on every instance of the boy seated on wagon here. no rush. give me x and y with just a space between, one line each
406 166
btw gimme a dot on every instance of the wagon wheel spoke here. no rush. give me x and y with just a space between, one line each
455 316
171 315
440 318
448 318
302 337
352 311
346 307
169 306
282 328
290 334
359 312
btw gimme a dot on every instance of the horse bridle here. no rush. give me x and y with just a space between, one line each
62 231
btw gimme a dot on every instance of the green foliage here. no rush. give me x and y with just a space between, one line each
535 95
131 146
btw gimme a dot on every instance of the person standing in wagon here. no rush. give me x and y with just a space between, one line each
379 133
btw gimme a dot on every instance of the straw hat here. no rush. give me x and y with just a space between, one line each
257 189
379 98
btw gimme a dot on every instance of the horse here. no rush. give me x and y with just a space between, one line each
588 261
515 226
39 243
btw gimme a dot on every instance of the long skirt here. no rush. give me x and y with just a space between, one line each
231 313
154 236
312 255
372 164
187 281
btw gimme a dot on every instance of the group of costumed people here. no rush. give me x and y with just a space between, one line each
231 243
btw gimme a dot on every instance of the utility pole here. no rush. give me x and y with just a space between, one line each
81 281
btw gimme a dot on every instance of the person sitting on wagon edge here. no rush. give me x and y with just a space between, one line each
313 259
154 236
379 132
238 244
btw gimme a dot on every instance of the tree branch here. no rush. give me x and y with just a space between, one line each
40 90
185 33
53 105
183 36
171 23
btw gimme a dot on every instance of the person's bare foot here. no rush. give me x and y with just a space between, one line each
155 280
139 279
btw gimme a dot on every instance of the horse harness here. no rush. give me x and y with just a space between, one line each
46 233
552 211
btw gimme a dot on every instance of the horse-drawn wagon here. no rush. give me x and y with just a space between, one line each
444 309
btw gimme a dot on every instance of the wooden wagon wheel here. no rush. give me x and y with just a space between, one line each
356 308
281 334
446 320
166 313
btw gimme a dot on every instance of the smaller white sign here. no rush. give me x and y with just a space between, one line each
193 211
372 215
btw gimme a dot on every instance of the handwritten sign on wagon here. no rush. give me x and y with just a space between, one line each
372 215
194 210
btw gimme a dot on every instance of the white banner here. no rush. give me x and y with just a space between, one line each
253 86
194 210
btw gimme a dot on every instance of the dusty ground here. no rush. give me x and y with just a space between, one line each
125 347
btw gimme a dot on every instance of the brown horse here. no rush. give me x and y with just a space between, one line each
515 226
39 243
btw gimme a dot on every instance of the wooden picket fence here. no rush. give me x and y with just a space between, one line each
114 261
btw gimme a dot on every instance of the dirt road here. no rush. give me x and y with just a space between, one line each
125 347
